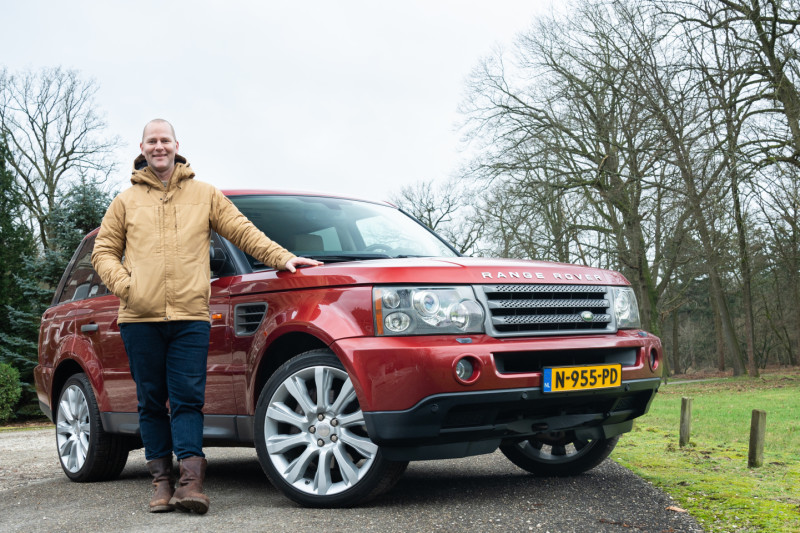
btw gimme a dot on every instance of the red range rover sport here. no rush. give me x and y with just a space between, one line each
396 349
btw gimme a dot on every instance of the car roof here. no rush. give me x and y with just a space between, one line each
279 192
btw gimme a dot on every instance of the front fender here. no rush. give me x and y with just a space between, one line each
320 317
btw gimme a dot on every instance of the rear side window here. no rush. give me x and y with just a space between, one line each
82 281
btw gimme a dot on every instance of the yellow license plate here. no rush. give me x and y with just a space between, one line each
569 378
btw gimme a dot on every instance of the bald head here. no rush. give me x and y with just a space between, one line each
160 121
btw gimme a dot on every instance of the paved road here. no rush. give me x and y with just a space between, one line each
484 493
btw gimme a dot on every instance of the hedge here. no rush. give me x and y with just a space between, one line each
10 391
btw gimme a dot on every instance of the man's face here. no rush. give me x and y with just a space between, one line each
159 147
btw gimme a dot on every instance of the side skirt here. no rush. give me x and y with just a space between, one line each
218 430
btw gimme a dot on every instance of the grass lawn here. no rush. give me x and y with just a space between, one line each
710 478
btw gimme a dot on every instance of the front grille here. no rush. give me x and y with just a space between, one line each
536 361
247 317
530 309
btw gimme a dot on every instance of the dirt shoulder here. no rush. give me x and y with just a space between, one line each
27 456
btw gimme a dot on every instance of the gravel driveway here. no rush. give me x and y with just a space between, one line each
484 493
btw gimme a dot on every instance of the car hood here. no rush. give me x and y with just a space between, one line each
428 270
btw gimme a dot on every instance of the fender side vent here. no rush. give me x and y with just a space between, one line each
247 317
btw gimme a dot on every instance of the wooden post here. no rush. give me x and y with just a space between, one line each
758 425
686 421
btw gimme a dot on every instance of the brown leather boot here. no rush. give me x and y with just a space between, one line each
189 494
161 470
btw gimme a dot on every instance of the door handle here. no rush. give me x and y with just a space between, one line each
89 328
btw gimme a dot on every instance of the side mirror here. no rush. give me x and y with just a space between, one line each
217 258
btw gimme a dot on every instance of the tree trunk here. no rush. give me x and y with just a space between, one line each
719 343
731 342
744 266
676 354
794 342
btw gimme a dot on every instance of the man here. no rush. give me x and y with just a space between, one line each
153 253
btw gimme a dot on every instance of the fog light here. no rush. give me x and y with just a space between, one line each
464 369
653 360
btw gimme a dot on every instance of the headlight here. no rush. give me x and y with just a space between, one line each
426 310
626 309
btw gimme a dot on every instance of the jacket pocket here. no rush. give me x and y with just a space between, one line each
131 291
143 297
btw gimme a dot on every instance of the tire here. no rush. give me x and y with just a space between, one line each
85 450
297 432
559 454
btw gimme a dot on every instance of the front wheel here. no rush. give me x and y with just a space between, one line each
86 451
559 453
311 437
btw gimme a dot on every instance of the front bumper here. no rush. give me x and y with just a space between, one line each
397 373
415 407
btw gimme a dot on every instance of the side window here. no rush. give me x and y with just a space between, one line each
83 282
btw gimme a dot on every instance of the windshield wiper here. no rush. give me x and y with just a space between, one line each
341 258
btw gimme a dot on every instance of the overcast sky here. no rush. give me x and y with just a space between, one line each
349 97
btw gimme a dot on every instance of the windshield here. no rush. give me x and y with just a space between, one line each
335 229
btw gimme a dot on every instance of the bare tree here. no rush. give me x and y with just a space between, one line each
747 53
564 126
733 93
677 96
780 201
766 32
774 42
49 121
447 208
536 221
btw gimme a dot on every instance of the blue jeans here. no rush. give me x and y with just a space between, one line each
168 362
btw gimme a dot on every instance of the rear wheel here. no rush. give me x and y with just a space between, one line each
559 454
311 437
86 451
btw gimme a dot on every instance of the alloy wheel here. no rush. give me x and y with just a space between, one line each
73 428
315 433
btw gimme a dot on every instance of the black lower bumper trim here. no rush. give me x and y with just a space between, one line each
509 414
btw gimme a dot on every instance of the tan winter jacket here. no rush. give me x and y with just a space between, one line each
152 249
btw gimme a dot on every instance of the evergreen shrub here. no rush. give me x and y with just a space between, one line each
10 391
